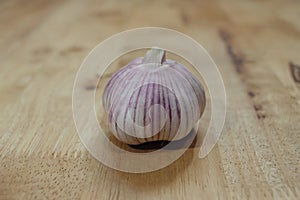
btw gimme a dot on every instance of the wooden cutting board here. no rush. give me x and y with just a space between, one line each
256 45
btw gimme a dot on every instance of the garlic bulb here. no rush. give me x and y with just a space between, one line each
153 98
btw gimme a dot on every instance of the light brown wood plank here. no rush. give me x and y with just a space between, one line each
253 43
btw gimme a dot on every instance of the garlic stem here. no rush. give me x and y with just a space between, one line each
155 55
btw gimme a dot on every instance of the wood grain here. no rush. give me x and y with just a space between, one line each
42 44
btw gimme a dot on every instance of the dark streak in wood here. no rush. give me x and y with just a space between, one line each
107 13
295 71
251 94
72 49
42 50
184 17
237 59
91 84
225 36
260 115
90 87
257 107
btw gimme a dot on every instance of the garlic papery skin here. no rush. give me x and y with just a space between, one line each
153 98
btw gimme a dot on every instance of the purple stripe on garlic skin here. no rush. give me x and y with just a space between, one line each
118 105
117 100
117 78
127 108
193 81
168 105
186 114
153 98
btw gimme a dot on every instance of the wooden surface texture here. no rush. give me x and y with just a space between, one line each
256 45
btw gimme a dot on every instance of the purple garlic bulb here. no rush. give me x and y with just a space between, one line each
153 98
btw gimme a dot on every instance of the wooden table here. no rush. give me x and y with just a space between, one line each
256 45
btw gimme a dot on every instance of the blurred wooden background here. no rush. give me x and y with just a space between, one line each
256 44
